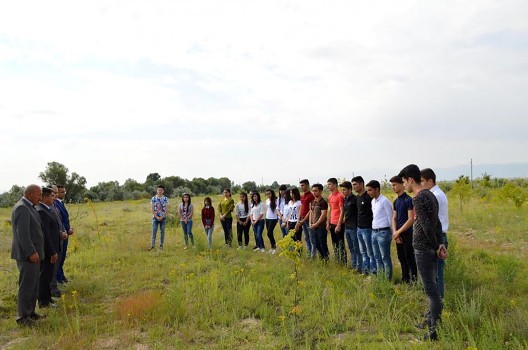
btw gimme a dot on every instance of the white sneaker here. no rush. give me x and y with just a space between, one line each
262 250
256 249
239 247
272 251
184 247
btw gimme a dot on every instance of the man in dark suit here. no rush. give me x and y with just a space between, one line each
51 230
65 217
28 250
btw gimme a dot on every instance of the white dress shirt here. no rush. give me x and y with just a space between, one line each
442 207
381 212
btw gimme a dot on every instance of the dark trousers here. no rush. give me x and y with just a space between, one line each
405 252
227 226
62 257
426 261
46 274
270 226
28 282
243 229
338 241
298 233
320 235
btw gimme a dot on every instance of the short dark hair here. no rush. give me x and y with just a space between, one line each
346 184
46 191
396 179
332 180
411 171
358 179
304 181
428 174
159 186
318 186
374 184
283 188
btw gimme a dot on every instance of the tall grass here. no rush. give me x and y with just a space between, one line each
123 296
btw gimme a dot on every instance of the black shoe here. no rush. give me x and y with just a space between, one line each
35 317
430 336
26 322
151 247
56 293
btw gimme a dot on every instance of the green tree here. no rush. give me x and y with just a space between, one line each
57 174
249 185
462 189
518 195
8 199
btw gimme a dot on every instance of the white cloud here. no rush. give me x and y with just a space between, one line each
228 78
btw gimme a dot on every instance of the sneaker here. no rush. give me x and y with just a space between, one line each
184 247
239 247
256 249
161 247
151 247
262 250
272 251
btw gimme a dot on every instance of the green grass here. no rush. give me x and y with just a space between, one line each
123 296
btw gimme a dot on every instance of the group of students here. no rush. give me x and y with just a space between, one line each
367 221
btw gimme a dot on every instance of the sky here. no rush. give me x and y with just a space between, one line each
260 90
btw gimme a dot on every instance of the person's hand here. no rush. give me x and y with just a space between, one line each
398 240
338 228
327 226
54 258
63 235
71 231
34 258
395 235
442 252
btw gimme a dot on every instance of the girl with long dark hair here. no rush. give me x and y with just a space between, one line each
243 220
293 213
257 220
284 209
185 212
226 207
271 217
208 216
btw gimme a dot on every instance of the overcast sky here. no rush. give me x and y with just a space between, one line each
260 90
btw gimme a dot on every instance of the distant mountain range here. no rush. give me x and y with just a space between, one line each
509 170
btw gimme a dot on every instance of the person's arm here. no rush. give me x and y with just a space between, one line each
23 234
212 216
387 207
191 212
204 217
167 208
328 214
341 214
395 232
153 210
321 218
262 211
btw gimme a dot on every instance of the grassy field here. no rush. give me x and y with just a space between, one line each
122 296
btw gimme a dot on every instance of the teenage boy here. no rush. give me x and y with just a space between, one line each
350 221
429 182
364 225
306 198
159 206
336 201
427 235
402 221
317 221
381 228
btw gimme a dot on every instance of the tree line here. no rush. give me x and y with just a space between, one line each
485 187
175 186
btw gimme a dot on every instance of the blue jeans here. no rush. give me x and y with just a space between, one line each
258 228
441 268
284 230
381 241
351 236
62 256
155 224
187 231
320 237
427 264
310 240
209 233
365 247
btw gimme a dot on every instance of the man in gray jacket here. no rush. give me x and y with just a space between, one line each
28 251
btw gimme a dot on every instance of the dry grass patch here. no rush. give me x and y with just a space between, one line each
138 307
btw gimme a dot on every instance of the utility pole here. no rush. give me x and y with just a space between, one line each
471 174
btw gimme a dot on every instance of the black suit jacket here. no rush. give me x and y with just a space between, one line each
50 229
